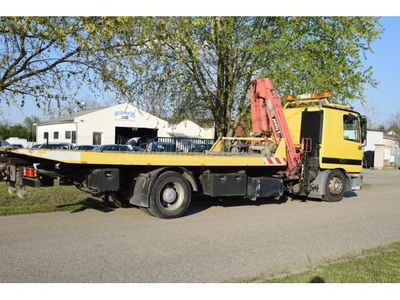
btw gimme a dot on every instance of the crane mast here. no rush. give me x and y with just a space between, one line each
267 112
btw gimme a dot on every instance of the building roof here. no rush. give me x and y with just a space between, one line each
71 117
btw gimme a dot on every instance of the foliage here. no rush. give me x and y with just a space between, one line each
18 130
30 124
393 125
377 265
182 67
204 65
22 131
380 265
56 61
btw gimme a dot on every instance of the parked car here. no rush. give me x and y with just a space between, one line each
84 147
184 145
65 146
16 146
161 147
4 143
111 147
135 141
136 149
201 147
145 145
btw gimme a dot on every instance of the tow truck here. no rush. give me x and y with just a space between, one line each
304 146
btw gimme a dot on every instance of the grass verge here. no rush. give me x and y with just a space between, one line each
49 199
379 265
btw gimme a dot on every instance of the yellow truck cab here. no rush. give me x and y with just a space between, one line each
337 135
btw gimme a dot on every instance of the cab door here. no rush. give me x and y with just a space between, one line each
341 145
351 159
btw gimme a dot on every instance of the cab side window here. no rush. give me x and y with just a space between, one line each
351 128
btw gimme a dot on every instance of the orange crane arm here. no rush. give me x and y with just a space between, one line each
266 109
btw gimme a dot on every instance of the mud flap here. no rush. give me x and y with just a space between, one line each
317 186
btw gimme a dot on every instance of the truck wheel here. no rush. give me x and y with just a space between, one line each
335 186
170 196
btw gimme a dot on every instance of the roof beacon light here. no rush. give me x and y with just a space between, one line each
308 96
315 95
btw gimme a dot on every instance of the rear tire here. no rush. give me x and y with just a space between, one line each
170 197
334 186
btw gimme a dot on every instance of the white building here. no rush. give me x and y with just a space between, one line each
110 125
380 152
189 129
374 137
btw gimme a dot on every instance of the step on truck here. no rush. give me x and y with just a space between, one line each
302 146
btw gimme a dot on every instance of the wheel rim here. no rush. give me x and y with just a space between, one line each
172 195
335 186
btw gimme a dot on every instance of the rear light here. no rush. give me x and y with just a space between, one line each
29 172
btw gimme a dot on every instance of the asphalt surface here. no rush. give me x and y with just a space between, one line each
216 241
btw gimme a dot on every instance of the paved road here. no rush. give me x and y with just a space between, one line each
216 241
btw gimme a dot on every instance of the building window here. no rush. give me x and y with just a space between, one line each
68 135
46 135
73 140
96 138
55 135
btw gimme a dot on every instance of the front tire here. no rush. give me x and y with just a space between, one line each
334 186
170 197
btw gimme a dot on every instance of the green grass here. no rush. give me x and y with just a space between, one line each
366 186
379 265
49 199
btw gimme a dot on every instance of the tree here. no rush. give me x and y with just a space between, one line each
371 111
23 131
393 125
4 132
204 65
57 61
19 131
30 124
192 67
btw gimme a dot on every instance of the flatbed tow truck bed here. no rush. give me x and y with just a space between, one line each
209 158
159 182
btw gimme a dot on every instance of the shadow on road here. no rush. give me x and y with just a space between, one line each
350 195
201 203
91 203
307 199
198 203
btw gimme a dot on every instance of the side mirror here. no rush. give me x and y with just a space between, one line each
363 128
